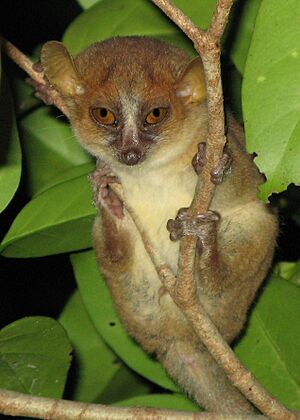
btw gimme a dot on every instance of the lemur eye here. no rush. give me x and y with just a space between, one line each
156 115
104 116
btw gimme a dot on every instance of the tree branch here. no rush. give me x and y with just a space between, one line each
180 19
27 65
17 404
219 20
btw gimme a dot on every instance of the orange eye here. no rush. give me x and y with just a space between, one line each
156 115
104 116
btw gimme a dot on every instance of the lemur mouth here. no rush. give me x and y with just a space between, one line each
131 157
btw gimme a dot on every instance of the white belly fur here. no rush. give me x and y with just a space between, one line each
155 200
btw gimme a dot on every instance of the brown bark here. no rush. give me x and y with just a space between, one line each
17 404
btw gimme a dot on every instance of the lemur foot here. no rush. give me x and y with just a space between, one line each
218 172
199 160
100 181
203 226
222 167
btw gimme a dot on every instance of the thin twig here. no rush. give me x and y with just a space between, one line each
180 19
219 20
26 64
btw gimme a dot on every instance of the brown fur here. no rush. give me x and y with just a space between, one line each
130 76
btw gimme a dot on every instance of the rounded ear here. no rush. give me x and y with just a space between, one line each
59 68
191 83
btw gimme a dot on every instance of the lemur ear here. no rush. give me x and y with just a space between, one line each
191 83
60 70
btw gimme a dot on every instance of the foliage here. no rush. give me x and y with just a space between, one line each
10 161
270 346
272 72
59 214
35 356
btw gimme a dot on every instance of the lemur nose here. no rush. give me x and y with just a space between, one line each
131 157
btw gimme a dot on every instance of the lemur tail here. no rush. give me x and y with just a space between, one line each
198 373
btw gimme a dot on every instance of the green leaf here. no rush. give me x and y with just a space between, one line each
242 27
289 271
97 301
271 94
164 401
86 4
34 357
10 151
271 345
96 363
50 148
100 375
57 220
133 17
68 175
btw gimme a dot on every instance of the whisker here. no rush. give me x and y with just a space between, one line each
60 116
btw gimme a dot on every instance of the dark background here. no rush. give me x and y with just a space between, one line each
37 286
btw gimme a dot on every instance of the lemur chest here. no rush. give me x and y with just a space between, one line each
155 201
